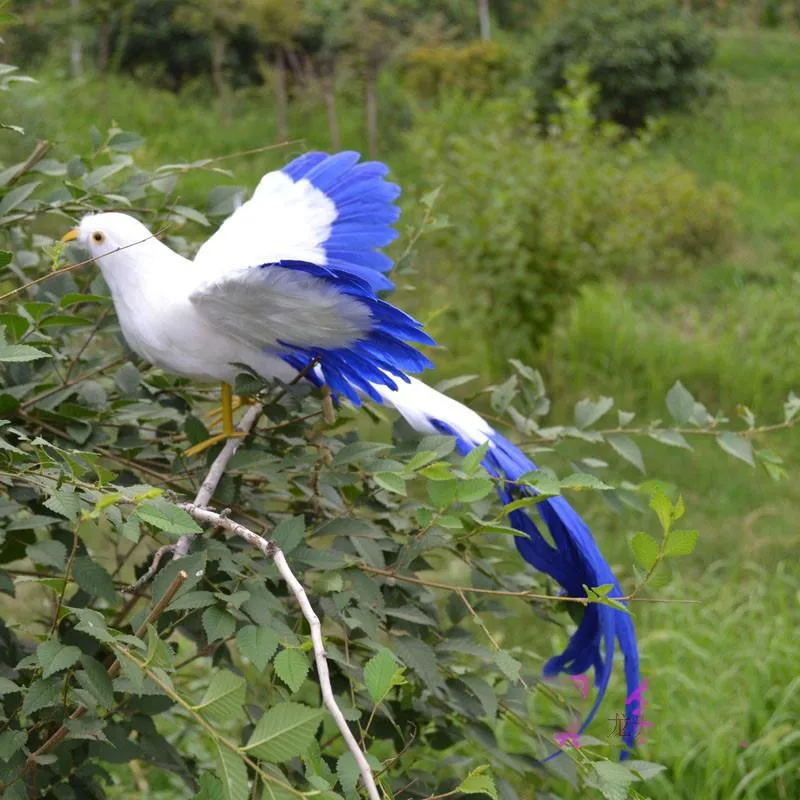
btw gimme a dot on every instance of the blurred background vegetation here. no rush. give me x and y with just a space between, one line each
614 201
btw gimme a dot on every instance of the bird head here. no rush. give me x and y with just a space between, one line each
112 237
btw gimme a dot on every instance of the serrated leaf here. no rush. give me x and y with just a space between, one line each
628 449
442 493
660 503
508 665
210 788
390 481
92 623
292 667
44 693
218 623
285 731
737 446
479 782
93 579
680 403
473 459
348 773
473 489
587 411
53 656
8 687
580 481
224 697
232 773
50 553
10 743
15 353
257 644
381 673
645 549
192 600
613 780
420 657
681 543
167 518
68 504
95 679
289 533
672 438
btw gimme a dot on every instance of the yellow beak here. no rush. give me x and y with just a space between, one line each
71 235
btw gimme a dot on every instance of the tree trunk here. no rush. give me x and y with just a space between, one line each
372 111
75 48
329 93
103 45
483 15
218 75
281 97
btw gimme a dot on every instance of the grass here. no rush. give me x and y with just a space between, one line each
722 672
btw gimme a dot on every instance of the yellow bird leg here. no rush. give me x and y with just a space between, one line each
237 401
228 429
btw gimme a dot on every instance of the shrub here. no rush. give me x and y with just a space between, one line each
644 55
539 217
478 68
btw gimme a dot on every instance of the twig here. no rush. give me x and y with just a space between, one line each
39 152
274 553
112 671
524 594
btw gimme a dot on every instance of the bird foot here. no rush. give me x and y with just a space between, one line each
216 415
201 447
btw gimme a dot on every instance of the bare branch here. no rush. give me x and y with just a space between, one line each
273 552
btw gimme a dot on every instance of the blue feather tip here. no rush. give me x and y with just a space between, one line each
574 562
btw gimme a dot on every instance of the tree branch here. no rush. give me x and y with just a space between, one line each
274 553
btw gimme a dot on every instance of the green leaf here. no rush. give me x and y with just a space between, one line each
232 772
613 780
285 731
479 782
645 549
93 579
681 543
10 743
672 438
348 773
16 197
167 518
508 665
210 788
292 666
8 687
580 481
192 600
628 449
442 493
218 623
44 693
390 481
54 656
660 503
737 446
680 403
473 459
92 623
224 697
95 679
50 553
68 504
420 657
381 674
5 258
587 412
288 534
473 489
257 644
20 352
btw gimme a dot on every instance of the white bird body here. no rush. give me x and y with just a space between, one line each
291 278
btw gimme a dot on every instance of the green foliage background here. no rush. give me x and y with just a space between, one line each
709 300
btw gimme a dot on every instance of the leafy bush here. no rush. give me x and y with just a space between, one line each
478 67
536 218
645 56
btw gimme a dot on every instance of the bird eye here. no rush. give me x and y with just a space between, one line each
98 237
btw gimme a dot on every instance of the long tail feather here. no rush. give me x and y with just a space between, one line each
574 562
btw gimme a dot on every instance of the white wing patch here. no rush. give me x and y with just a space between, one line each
283 220
262 307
